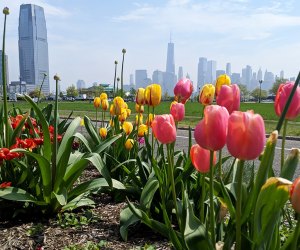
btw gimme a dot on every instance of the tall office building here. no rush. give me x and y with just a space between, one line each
228 69
220 72
33 47
80 84
141 78
170 66
6 72
259 75
202 72
170 77
211 71
180 73
247 76
281 74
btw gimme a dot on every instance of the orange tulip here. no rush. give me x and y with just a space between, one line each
140 96
139 108
104 104
103 132
295 195
143 129
129 144
127 127
103 96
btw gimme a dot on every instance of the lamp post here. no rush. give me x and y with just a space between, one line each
260 82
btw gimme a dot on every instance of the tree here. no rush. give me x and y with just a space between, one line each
273 90
72 91
132 92
256 93
244 91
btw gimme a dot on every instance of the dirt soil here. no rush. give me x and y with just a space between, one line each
31 232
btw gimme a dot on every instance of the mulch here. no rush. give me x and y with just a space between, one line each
37 232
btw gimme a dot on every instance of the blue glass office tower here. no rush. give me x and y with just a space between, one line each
33 47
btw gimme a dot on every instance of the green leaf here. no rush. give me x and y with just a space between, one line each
271 199
17 194
194 233
105 144
45 169
46 135
148 193
290 164
79 201
62 197
127 218
47 112
91 130
94 184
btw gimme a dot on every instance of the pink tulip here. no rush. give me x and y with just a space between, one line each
246 135
177 111
164 129
295 195
282 96
229 97
183 90
211 131
200 158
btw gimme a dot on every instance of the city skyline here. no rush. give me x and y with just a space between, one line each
84 44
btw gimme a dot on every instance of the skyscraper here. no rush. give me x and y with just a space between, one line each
180 73
80 84
170 67
141 78
6 70
170 77
202 72
211 71
228 69
33 47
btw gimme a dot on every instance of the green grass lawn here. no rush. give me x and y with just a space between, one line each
193 112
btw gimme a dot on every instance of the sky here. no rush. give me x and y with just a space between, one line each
85 37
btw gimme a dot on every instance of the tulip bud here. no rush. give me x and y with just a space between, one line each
104 104
119 104
246 135
229 97
103 96
97 102
282 96
140 96
6 11
56 78
143 129
207 94
153 95
123 115
211 131
177 111
164 128
295 195
112 110
139 108
183 90
222 80
103 132
127 127
200 158
129 144
123 51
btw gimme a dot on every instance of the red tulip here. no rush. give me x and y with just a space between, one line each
164 129
201 158
295 195
229 97
183 90
282 96
211 131
246 135
177 111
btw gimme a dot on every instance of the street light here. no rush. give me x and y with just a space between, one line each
260 82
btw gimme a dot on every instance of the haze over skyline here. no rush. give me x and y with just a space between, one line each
86 37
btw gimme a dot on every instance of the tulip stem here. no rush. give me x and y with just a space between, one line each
239 204
220 163
152 136
283 142
211 198
171 174
4 85
96 119
296 233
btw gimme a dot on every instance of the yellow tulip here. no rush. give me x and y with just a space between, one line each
103 96
128 112
112 109
119 104
97 102
139 108
140 96
143 129
207 94
104 104
111 123
153 95
150 119
82 122
137 121
123 115
127 127
129 144
222 80
103 132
